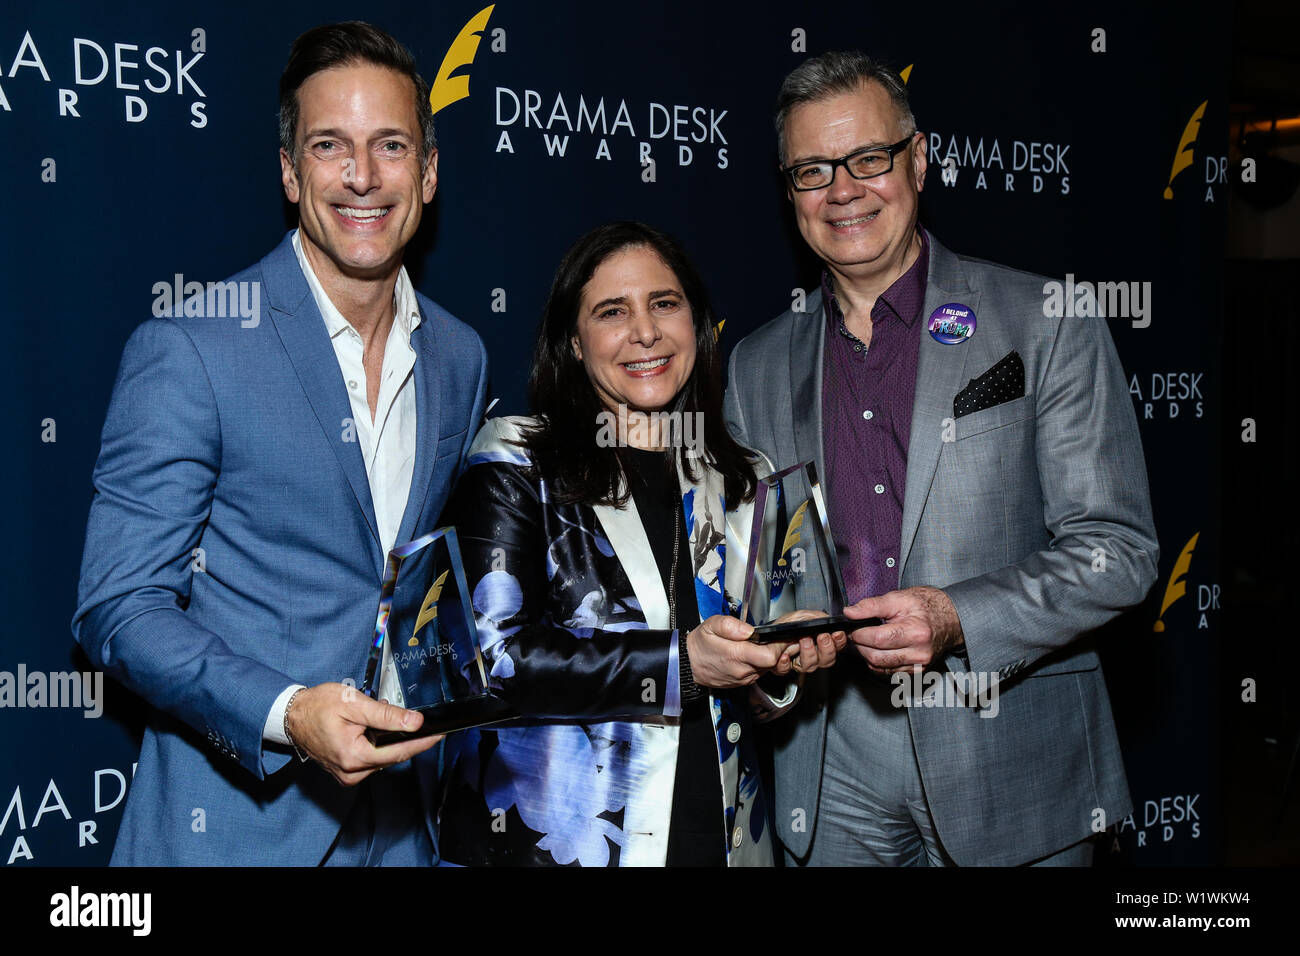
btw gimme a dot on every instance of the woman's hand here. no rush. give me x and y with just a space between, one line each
809 654
721 654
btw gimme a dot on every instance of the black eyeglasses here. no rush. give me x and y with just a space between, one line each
864 164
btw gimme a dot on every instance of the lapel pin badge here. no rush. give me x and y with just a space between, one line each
952 324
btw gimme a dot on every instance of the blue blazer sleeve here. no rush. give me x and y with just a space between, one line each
159 461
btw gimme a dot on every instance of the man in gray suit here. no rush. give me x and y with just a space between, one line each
988 499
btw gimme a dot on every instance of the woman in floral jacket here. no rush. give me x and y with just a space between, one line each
599 538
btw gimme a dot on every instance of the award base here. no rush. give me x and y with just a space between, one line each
794 630
447 717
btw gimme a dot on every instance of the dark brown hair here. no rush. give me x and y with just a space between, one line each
564 446
342 44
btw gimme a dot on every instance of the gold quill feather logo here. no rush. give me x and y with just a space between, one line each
429 610
447 89
1176 587
907 72
1186 152
792 532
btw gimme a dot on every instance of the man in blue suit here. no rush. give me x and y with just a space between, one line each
253 475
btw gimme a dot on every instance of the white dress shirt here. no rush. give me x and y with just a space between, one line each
387 442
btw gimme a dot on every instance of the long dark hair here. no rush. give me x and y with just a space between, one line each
564 445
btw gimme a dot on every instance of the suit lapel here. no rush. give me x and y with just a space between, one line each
302 331
627 537
428 401
704 511
938 378
807 341
705 527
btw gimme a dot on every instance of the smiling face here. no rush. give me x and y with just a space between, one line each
635 333
861 228
358 184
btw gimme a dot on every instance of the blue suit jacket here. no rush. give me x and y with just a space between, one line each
234 438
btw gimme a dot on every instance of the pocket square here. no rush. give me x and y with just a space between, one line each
1002 383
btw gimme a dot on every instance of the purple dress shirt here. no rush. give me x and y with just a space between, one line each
867 395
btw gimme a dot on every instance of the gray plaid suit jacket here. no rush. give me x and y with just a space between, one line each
1008 510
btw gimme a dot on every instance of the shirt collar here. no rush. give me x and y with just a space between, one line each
903 298
406 311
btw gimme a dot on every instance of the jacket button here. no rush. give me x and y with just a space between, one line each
733 733
737 837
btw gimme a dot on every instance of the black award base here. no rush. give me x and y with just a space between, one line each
447 717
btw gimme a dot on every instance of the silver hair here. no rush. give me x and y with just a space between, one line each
831 74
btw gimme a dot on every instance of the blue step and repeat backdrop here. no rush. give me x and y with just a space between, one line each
140 151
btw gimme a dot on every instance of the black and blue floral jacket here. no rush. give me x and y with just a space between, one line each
573 621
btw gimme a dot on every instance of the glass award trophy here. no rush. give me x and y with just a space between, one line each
426 618
791 562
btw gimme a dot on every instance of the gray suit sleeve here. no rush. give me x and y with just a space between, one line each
1102 554
732 408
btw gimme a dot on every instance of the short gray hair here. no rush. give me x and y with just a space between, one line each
834 73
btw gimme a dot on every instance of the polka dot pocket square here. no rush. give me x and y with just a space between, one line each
1002 383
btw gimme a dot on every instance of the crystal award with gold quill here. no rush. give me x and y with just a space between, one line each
426 619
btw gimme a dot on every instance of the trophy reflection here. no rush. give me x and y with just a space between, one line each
791 560
425 624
